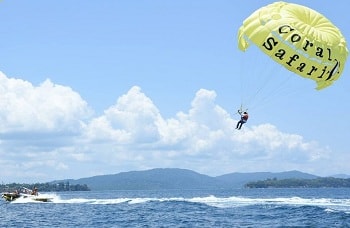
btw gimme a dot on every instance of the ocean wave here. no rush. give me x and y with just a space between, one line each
330 204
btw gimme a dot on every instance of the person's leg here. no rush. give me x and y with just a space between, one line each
239 125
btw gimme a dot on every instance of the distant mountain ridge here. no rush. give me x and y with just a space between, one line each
150 180
174 178
240 179
341 176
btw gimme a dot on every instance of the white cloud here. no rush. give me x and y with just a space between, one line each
49 129
201 138
133 119
45 108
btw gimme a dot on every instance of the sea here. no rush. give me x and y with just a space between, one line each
301 207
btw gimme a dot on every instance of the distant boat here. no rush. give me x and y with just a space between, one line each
25 193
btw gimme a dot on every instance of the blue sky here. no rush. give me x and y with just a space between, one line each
102 87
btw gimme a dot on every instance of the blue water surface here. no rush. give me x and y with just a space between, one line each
324 207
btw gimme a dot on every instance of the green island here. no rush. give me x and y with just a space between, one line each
46 187
321 182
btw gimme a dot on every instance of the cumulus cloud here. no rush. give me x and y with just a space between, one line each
133 119
45 108
52 128
202 139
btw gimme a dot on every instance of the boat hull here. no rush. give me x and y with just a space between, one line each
9 196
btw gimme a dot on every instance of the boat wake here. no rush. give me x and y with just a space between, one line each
329 204
41 198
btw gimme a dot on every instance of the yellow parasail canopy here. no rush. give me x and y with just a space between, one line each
299 38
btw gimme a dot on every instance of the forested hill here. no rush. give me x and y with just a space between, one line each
321 182
240 179
152 180
173 178
45 187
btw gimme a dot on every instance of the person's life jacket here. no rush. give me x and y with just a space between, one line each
245 117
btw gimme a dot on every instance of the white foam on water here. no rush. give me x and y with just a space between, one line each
36 199
330 204
234 201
